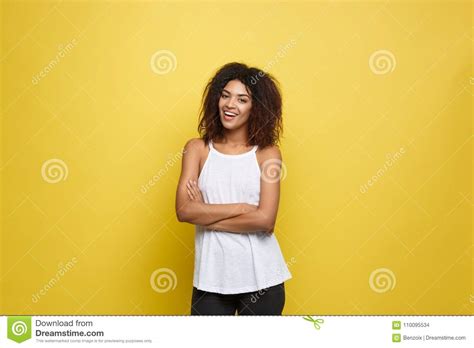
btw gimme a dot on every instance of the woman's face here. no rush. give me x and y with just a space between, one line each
234 105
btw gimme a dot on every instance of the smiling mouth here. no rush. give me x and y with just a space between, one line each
230 114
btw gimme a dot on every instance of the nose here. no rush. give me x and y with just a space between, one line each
230 103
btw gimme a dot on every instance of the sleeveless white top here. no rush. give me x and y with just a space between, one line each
228 262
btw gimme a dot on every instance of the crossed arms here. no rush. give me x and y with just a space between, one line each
233 217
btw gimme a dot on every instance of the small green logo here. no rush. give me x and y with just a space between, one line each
396 325
315 322
19 328
396 338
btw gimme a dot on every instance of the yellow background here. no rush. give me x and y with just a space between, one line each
115 123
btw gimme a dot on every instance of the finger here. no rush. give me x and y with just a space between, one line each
192 189
196 190
200 195
191 195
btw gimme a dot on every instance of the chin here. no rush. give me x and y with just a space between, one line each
226 126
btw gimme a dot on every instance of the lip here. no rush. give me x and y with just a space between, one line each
228 118
231 112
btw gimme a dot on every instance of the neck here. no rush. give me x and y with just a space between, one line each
236 136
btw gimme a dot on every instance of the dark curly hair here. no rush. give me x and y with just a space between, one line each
265 121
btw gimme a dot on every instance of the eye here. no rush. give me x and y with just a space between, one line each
242 100
224 96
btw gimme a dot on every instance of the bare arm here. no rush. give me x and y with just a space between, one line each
198 212
262 219
256 221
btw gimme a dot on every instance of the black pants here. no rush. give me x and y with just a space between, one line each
268 301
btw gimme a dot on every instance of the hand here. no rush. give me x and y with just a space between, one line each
211 227
194 192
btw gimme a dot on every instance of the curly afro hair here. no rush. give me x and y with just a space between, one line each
265 122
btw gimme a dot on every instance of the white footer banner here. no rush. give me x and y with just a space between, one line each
237 331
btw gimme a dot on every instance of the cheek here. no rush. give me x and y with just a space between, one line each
220 103
245 117
245 109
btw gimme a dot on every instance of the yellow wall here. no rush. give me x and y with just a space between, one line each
78 86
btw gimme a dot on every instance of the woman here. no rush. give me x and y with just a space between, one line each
229 188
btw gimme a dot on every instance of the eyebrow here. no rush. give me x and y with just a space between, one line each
240 95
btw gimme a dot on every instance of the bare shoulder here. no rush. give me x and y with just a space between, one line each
271 151
194 145
268 153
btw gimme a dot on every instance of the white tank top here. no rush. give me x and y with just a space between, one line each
228 262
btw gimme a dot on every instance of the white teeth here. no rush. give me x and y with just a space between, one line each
229 113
